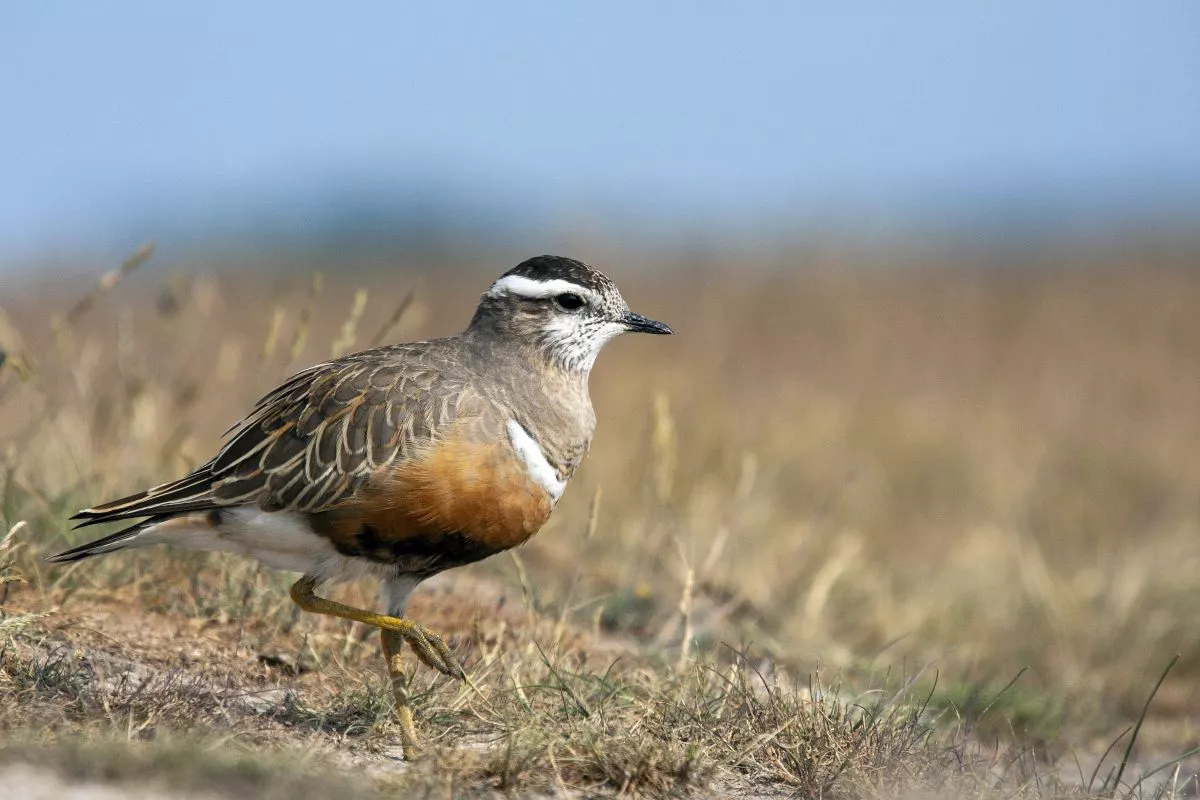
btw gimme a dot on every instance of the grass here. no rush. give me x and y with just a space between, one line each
852 532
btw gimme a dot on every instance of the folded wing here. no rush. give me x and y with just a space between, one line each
309 444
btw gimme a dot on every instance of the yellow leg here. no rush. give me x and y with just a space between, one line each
392 642
429 647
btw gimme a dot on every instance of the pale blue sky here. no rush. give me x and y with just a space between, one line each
119 111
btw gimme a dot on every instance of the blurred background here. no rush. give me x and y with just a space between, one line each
461 126
934 267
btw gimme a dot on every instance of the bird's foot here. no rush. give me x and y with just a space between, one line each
432 650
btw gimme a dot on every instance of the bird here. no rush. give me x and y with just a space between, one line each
401 461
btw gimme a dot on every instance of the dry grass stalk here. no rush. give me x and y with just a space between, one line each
685 611
593 519
394 320
664 447
107 282
300 337
345 342
271 340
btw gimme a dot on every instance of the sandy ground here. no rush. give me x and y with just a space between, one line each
26 782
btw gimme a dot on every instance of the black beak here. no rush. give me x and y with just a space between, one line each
639 324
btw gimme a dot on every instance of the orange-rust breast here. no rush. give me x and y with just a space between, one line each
457 501
480 490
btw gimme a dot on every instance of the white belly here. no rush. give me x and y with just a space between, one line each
280 539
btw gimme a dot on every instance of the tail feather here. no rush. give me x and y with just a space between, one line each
107 544
191 493
188 494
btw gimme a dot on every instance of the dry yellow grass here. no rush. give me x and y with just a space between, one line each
841 511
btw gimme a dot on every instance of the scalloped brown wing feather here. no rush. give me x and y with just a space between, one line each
310 443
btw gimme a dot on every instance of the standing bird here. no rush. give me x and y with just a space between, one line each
402 461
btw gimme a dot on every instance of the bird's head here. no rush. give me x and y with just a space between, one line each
562 306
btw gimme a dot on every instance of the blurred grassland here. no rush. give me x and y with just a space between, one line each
846 471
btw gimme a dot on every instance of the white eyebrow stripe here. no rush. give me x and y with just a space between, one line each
528 287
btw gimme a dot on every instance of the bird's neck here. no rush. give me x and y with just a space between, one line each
547 392
561 360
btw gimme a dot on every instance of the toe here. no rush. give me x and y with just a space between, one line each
453 668
434 653
430 657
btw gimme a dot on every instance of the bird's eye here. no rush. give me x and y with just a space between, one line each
569 301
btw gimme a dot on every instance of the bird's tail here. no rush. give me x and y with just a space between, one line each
172 500
109 544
